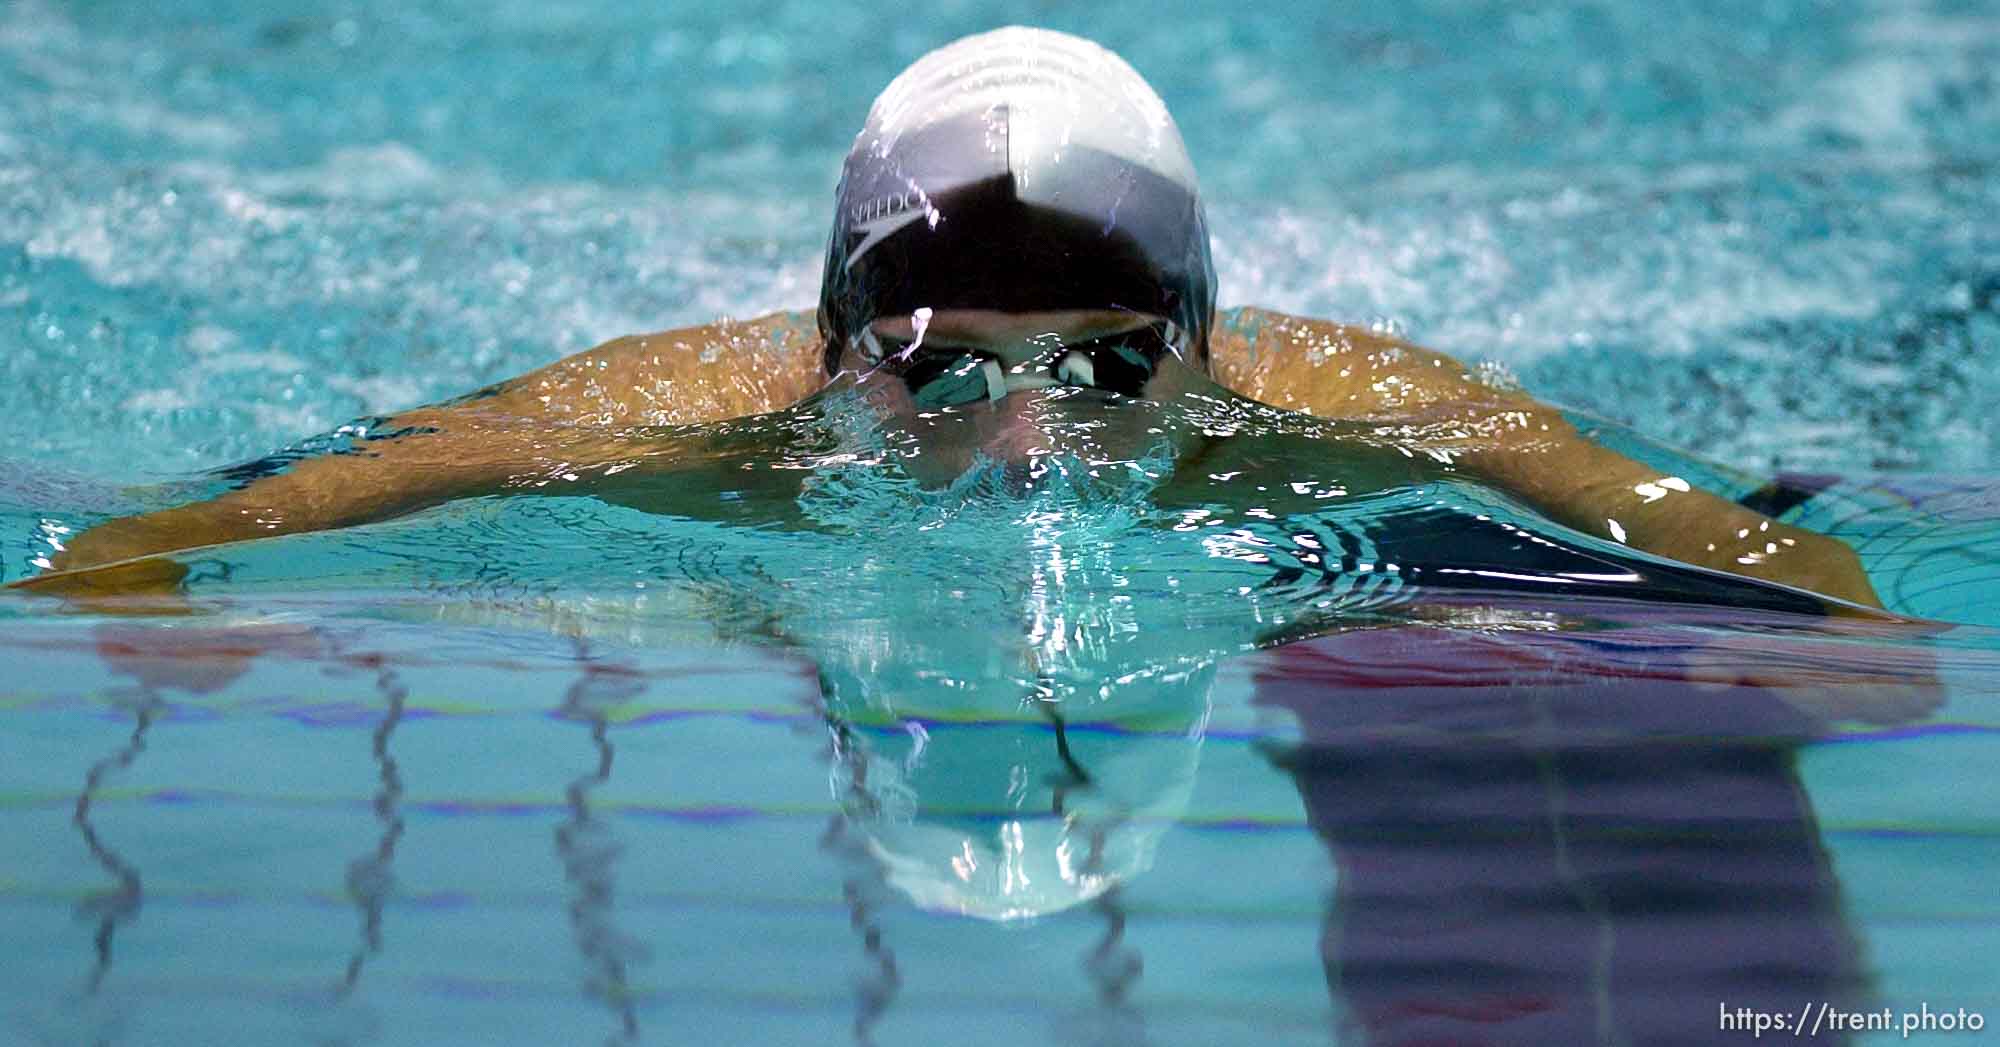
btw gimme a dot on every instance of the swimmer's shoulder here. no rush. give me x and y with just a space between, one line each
1281 359
725 369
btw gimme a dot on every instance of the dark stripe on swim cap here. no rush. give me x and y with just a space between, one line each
980 247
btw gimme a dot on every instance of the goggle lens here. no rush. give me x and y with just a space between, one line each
950 376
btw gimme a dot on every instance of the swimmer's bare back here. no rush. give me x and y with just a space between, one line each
614 420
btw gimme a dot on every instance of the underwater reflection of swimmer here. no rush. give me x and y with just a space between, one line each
998 809
1550 838
589 851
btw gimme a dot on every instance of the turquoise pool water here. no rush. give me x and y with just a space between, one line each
551 771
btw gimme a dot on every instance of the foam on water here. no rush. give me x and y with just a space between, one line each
1563 191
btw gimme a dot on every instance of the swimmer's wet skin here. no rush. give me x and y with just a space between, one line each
1018 232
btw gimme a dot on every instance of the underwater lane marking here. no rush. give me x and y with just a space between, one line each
502 807
723 813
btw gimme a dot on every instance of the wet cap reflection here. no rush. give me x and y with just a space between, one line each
1004 818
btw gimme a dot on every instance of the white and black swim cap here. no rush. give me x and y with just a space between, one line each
1019 170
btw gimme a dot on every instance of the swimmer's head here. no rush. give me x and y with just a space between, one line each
1021 171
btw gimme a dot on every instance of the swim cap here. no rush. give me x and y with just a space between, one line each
1019 170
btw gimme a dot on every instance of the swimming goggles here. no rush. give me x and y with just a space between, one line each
954 376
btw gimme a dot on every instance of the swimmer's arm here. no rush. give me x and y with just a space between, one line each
600 422
1427 400
688 376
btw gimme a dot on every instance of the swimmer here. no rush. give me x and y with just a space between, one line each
1018 242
